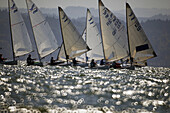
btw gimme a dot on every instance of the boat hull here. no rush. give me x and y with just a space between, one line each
9 62
98 67
56 63
81 64
36 64
65 64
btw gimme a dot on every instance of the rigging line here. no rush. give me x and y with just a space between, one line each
17 23
38 24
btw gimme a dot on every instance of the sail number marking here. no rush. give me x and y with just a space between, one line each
34 9
133 18
65 19
112 20
14 8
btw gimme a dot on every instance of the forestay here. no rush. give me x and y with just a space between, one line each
113 35
74 45
140 47
20 38
45 40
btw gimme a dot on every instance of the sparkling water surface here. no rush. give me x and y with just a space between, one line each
58 89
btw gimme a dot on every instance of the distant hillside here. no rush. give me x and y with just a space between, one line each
142 14
159 36
76 12
156 30
79 12
160 16
147 12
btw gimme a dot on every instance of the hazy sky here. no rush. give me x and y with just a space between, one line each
111 4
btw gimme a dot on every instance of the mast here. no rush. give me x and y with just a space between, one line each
86 42
86 35
33 33
101 30
67 57
59 51
11 30
128 36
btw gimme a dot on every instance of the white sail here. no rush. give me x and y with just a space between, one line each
45 40
113 35
21 40
74 45
93 39
84 34
62 55
140 47
83 57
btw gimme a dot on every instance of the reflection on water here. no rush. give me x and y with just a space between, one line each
76 89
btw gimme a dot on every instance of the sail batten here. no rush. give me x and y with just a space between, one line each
46 41
17 23
113 35
20 38
38 23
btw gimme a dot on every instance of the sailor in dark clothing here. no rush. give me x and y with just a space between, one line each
30 61
74 61
102 62
92 63
52 61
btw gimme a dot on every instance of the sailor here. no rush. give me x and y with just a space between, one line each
102 62
115 65
126 61
52 61
30 61
74 61
87 58
55 62
1 58
92 63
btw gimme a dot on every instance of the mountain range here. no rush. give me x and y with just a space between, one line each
78 12
155 27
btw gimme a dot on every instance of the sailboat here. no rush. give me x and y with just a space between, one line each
93 39
45 40
73 44
113 35
140 49
20 40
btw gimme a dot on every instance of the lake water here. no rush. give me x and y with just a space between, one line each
58 89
